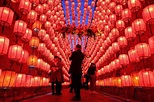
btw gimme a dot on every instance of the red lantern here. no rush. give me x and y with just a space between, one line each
34 42
41 47
148 14
143 50
115 32
4 44
134 5
41 33
28 80
126 80
0 72
24 57
25 6
129 34
7 79
20 27
40 63
124 60
39 9
43 18
27 36
120 25
37 26
47 25
45 7
133 56
118 10
35 2
126 15
32 61
138 26
135 79
122 41
46 38
32 16
20 79
151 44
112 18
6 16
115 47
15 52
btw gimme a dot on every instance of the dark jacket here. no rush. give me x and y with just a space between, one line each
76 58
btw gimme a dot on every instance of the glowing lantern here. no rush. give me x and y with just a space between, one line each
39 9
25 6
146 78
124 60
120 25
34 42
32 61
15 52
46 38
126 80
135 79
148 14
151 44
7 79
41 47
126 15
112 6
20 79
133 56
115 32
35 2
122 41
47 25
27 36
134 5
24 57
28 80
6 16
4 45
115 47
129 34
41 33
112 18
37 26
117 81
40 63
45 7
36 81
20 27
143 50
118 10
32 16
138 26
43 18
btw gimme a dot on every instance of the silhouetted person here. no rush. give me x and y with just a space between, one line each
76 70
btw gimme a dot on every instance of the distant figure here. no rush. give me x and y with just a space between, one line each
92 76
56 75
76 71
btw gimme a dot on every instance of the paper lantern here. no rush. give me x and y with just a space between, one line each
4 45
43 18
32 61
126 15
41 47
120 25
45 7
135 79
40 63
126 80
6 16
148 14
28 80
27 36
32 16
47 25
34 42
117 81
35 2
7 78
15 52
112 18
143 50
123 59
115 47
20 80
41 33
134 5
20 28
118 10
25 6
24 57
151 44
39 9
37 26
0 72
36 81
133 56
122 41
115 32
129 34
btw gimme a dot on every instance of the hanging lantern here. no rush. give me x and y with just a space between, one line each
135 79
134 5
27 36
118 10
45 7
34 2
36 81
138 26
41 33
41 47
4 45
32 61
112 18
28 80
46 38
148 14
143 50
34 42
124 60
20 27
129 34
0 72
126 80
15 52
115 47
151 44
24 57
25 6
20 79
7 78
32 16
40 63
115 32
133 56
122 41
117 81
43 18
39 9
47 25
120 25
126 15
112 6
37 26
146 78
6 16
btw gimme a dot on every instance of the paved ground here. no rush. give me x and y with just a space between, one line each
66 96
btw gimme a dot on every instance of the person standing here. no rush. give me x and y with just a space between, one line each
76 71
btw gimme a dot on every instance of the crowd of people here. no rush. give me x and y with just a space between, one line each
75 71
